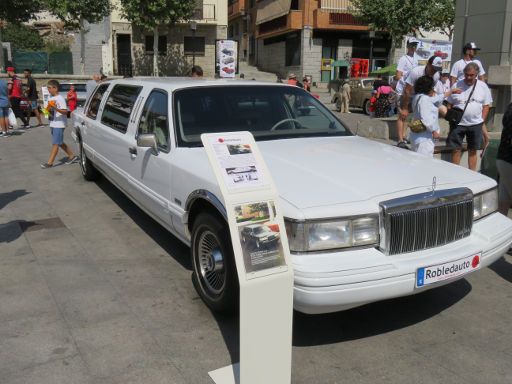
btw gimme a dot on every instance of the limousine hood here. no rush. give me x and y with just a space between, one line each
317 172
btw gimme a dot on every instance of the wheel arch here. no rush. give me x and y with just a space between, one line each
203 201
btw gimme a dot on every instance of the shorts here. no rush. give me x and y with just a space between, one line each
399 103
4 112
472 133
33 104
505 184
425 147
57 136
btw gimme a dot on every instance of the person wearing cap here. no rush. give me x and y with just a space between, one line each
472 125
433 68
469 51
445 81
292 80
15 94
404 66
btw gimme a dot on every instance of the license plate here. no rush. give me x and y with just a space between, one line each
440 272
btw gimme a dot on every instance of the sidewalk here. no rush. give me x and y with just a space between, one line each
93 291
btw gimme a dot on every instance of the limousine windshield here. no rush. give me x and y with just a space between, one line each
268 112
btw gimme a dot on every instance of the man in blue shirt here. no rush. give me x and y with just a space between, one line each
4 109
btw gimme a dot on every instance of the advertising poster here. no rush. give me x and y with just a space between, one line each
226 58
238 164
46 96
427 48
260 236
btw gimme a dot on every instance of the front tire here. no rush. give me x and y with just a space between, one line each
214 272
89 172
338 105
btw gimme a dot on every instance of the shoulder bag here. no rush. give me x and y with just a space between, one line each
454 114
416 125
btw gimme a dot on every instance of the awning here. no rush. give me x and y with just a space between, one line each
272 9
389 70
340 63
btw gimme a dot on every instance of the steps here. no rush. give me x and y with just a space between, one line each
251 72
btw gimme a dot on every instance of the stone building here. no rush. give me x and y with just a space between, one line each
284 36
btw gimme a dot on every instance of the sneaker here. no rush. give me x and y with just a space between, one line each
46 165
402 144
4 134
74 159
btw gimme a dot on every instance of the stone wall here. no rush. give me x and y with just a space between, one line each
271 58
311 55
93 49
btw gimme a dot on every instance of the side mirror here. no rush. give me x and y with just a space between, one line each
148 140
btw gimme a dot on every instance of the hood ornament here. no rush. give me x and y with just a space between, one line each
434 184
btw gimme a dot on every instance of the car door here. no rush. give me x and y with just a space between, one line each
90 126
150 170
113 146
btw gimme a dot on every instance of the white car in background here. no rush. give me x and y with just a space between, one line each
359 231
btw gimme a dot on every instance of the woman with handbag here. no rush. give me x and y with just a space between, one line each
4 109
424 125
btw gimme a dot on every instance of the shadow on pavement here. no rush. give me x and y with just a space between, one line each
9 197
376 318
228 325
503 269
172 245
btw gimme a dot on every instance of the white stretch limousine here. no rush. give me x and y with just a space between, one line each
365 221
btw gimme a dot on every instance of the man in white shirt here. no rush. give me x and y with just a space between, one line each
469 51
472 125
405 64
432 69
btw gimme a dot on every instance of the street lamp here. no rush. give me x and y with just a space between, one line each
193 27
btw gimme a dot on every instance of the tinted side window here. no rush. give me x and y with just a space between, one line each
94 105
155 119
119 105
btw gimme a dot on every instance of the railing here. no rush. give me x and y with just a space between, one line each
344 19
337 5
207 12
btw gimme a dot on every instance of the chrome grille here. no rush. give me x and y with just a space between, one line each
426 220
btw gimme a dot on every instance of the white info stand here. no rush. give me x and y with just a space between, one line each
262 261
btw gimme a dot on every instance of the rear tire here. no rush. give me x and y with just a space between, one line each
366 107
89 172
214 272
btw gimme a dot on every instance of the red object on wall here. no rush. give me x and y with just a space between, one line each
359 67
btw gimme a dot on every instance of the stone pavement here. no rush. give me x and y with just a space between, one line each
94 291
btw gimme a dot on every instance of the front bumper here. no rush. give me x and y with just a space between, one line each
342 280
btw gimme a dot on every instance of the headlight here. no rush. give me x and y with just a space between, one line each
333 234
485 203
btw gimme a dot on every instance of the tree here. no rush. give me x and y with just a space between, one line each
149 14
442 18
76 13
405 17
22 37
16 11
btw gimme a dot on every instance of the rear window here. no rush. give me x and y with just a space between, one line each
119 106
268 112
78 87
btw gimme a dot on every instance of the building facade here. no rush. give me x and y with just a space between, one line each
305 37
128 50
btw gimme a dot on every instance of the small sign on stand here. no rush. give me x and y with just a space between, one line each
262 260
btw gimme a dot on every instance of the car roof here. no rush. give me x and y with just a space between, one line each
174 83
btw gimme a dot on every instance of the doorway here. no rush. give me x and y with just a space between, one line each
124 55
329 51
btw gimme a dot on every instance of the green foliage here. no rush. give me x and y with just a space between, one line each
17 11
405 17
149 14
22 37
56 46
73 11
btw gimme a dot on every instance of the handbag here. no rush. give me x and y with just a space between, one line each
12 118
416 125
454 115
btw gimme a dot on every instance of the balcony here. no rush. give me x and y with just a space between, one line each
342 6
338 15
236 8
291 21
206 13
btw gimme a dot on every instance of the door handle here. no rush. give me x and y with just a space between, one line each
133 151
